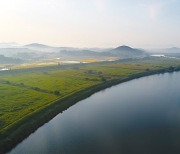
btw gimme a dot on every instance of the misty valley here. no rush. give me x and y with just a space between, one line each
33 95
89 77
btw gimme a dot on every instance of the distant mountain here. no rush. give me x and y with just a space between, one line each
172 50
41 47
29 56
122 52
127 52
166 50
79 53
36 51
10 52
36 45
9 45
9 60
98 49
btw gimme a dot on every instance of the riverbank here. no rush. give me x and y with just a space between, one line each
23 128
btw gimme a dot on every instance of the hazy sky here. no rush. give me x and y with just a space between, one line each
91 23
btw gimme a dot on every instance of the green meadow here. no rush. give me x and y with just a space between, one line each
25 92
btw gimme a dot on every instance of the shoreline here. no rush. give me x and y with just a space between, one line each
15 134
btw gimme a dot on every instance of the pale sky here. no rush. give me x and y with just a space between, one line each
91 23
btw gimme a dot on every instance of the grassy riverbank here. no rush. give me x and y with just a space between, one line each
31 97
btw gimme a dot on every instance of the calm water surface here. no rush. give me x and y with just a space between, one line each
139 116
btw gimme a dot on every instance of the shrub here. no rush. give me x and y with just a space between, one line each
36 88
22 84
56 92
171 68
103 78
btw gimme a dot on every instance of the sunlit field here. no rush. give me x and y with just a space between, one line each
24 91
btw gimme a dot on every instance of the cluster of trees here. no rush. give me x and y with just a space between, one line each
56 92
98 74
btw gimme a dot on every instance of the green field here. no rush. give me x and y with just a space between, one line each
26 92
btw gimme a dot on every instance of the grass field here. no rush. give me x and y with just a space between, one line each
26 91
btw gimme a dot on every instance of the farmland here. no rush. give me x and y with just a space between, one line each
27 93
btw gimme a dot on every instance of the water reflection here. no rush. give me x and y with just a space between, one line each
140 116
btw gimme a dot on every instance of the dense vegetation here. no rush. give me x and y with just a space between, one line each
28 93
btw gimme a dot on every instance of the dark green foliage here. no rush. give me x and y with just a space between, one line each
22 84
171 68
36 88
103 79
57 93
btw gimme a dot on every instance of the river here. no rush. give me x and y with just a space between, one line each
139 116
